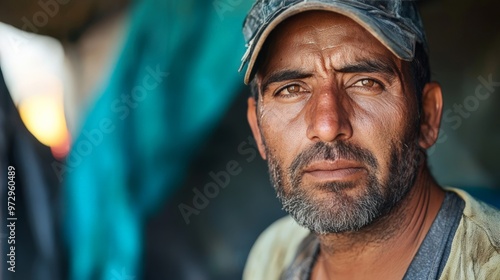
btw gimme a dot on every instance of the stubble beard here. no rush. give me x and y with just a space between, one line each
338 212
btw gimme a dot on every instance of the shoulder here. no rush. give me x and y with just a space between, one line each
481 217
475 252
274 250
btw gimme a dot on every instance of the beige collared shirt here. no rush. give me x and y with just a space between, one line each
475 251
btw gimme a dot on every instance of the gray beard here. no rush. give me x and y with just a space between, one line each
343 213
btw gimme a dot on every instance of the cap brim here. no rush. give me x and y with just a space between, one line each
403 48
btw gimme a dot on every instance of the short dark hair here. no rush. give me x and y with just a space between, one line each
419 70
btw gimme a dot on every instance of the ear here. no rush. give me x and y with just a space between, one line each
254 125
432 108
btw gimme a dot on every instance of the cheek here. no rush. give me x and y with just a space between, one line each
380 123
283 129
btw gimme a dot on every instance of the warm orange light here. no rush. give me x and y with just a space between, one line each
61 151
43 115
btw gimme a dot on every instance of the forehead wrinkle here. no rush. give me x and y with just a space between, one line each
352 55
315 35
322 67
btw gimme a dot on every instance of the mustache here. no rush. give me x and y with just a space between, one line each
331 152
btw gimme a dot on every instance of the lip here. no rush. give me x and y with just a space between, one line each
338 170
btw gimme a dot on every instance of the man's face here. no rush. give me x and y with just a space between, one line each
337 119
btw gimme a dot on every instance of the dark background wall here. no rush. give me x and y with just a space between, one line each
464 38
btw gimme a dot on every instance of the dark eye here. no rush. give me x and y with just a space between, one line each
366 83
370 86
293 89
290 91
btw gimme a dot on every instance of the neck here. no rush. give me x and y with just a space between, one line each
385 249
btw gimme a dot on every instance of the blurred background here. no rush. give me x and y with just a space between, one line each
126 124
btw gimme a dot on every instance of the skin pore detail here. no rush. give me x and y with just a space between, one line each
336 119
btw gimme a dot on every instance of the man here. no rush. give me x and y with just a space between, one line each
343 110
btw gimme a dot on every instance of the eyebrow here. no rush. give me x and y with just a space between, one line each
369 66
284 75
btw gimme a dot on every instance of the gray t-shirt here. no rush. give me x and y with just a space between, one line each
429 261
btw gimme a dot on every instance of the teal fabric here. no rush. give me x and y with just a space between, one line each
132 154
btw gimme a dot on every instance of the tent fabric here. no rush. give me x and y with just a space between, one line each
174 79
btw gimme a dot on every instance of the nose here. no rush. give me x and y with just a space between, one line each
328 117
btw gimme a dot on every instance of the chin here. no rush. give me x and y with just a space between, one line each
335 207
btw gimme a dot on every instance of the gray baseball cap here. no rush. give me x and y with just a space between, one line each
395 23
